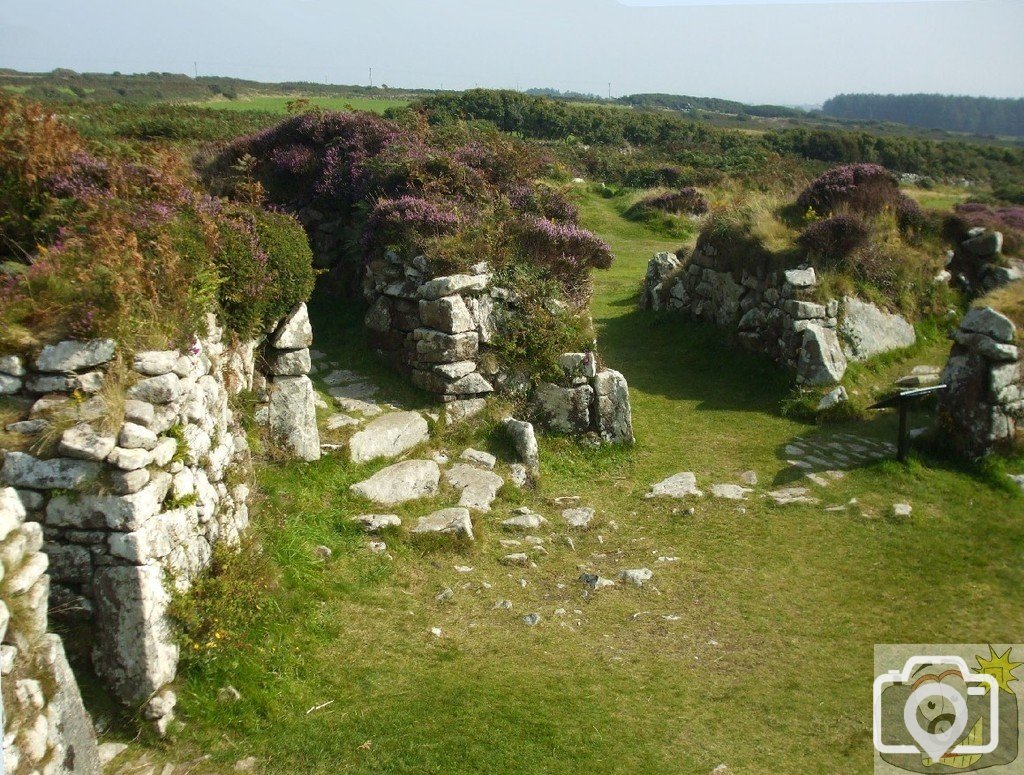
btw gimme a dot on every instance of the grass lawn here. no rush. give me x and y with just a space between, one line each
278 104
753 647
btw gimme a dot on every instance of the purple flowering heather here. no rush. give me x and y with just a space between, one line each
866 188
566 241
409 217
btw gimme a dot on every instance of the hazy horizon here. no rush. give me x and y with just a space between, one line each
755 51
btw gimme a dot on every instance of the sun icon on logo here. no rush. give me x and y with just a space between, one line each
1000 667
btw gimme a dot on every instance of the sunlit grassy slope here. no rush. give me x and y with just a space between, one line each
753 648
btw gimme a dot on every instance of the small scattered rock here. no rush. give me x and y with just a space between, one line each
532 620
374 523
110 751
595 582
378 547
479 458
444 595
518 558
323 552
503 604
749 478
228 694
636 576
901 510
578 517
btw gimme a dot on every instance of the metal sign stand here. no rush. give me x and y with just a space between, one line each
902 401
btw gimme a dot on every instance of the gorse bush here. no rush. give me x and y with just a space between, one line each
98 246
456 194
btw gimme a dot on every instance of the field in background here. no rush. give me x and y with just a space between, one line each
279 103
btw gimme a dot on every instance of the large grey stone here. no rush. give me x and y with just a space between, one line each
12 365
988 244
23 470
801 278
156 390
295 331
400 482
292 416
83 442
479 488
110 512
135 436
868 331
437 347
153 363
614 415
288 363
12 511
448 314
566 410
388 436
73 355
525 441
821 360
458 283
456 521
9 385
136 651
985 320
70 724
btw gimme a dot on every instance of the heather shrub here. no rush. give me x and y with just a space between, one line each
100 246
833 239
969 215
457 194
863 188
686 201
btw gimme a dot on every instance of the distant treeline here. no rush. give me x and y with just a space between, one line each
978 115
63 85
700 146
710 104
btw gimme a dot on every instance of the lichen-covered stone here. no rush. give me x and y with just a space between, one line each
74 355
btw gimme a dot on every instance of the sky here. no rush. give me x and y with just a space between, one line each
796 53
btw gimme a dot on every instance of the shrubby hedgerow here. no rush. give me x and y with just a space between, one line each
94 245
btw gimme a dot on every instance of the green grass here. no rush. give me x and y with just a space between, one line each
767 667
279 104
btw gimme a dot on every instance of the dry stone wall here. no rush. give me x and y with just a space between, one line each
436 329
983 407
131 506
774 312
46 729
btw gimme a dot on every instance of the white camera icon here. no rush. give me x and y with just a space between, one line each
936 744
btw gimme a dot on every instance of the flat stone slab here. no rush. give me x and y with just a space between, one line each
455 521
479 458
788 495
388 436
479 487
338 421
636 576
733 492
360 390
676 486
359 406
404 481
